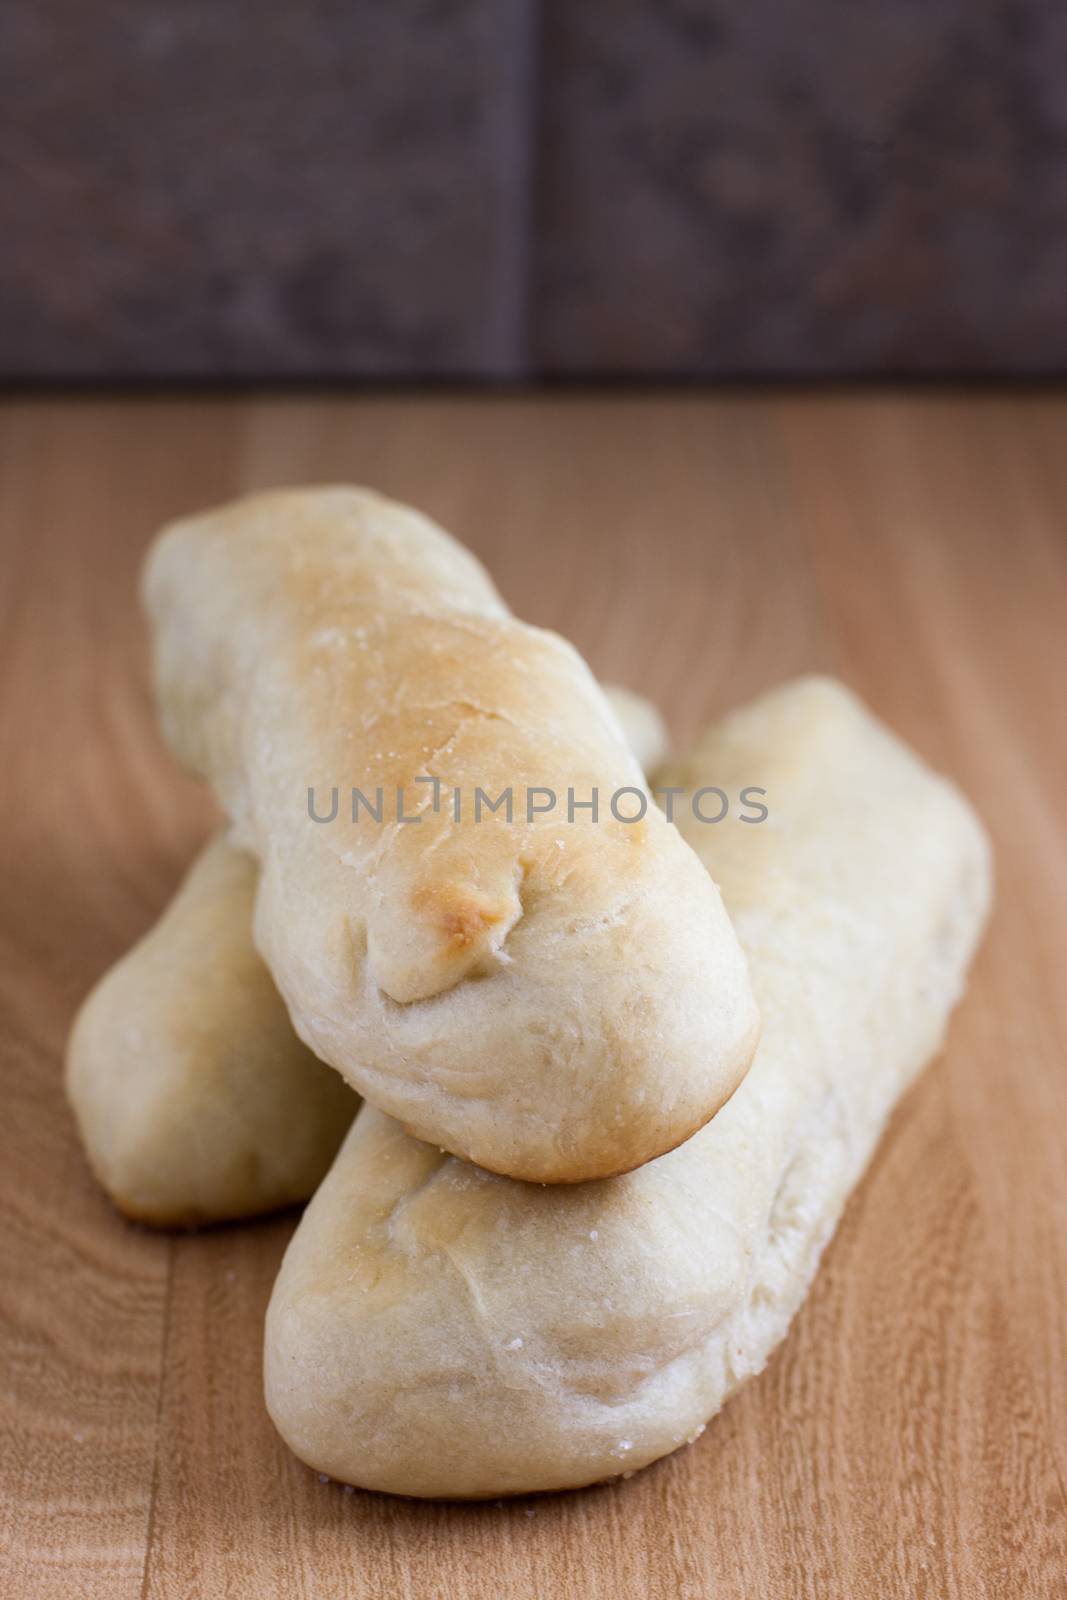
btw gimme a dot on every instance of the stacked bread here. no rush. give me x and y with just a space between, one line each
584 1198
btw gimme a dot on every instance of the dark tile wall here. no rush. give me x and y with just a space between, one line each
215 187
203 188
846 186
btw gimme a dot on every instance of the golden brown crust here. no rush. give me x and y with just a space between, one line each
558 998
195 1100
438 1331
194 1153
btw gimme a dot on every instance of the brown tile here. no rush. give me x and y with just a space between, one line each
208 188
819 188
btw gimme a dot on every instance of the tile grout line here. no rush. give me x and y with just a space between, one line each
514 128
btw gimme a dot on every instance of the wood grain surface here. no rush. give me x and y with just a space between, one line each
910 1438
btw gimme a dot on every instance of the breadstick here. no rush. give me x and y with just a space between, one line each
642 726
553 996
436 1330
195 1100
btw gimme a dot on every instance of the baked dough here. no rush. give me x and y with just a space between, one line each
643 728
436 1330
556 999
194 1098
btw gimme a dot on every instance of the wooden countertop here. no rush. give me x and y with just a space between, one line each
910 1438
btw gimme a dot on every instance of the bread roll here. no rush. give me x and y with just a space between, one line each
556 999
436 1330
195 1100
